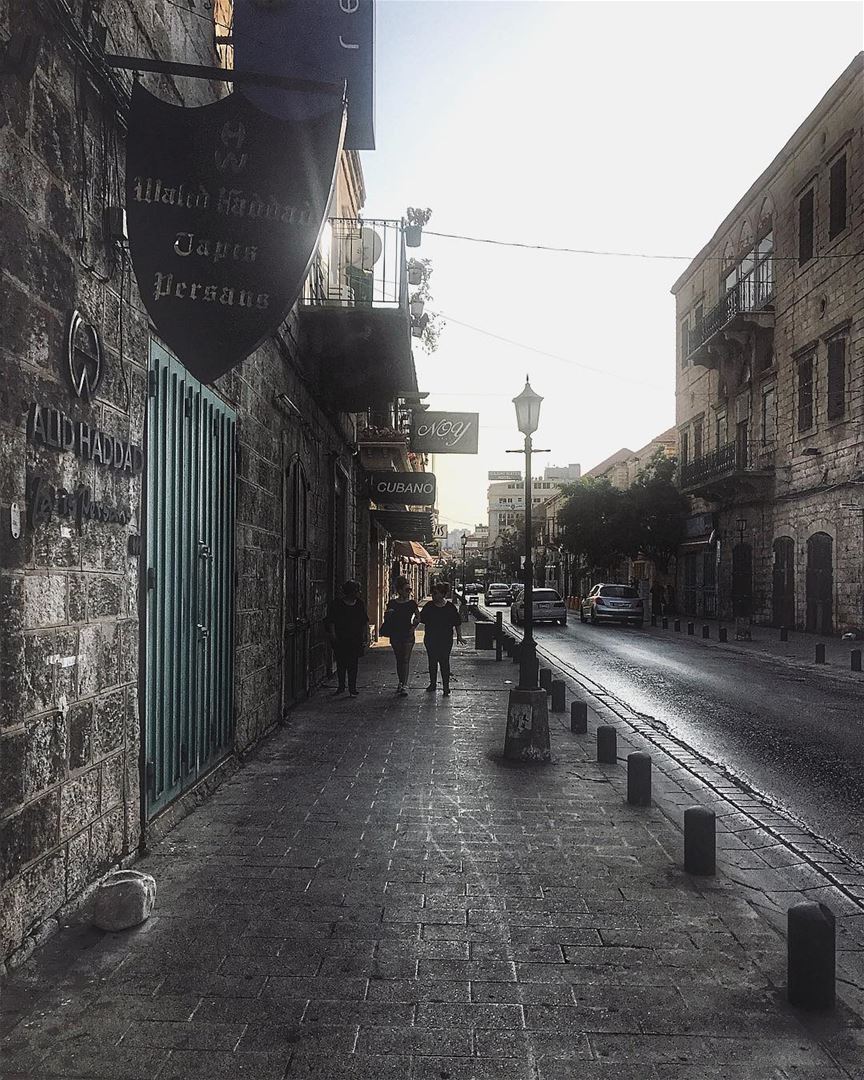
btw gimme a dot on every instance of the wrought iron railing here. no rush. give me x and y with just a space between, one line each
360 262
733 457
752 294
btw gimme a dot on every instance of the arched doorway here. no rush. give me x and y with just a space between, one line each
820 583
742 581
783 593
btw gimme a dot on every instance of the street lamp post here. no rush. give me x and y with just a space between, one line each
527 735
464 546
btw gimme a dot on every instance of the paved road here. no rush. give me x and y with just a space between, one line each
794 735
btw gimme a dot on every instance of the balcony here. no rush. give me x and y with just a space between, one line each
354 322
730 471
382 449
746 308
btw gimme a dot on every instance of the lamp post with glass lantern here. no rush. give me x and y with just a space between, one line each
464 546
527 735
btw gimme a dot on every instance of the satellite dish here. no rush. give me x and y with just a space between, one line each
364 247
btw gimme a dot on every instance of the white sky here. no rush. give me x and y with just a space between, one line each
613 126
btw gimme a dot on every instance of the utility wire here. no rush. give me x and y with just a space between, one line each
550 355
615 254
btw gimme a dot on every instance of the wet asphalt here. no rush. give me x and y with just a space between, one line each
794 735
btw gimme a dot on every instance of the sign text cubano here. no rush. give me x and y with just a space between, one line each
444 432
402 489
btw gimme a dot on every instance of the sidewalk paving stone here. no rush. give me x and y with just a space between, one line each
377 894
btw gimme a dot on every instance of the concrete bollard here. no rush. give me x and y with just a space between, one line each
665 623
499 635
722 634
546 679
691 629
639 779
653 620
607 745
700 841
676 626
559 695
820 653
784 634
578 717
810 955
706 632
856 659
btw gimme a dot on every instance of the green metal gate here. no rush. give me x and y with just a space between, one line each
190 575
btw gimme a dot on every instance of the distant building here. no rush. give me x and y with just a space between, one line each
506 498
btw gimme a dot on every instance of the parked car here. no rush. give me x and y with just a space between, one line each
497 592
613 603
472 588
547 607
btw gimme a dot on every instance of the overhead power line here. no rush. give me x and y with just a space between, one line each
614 254
550 355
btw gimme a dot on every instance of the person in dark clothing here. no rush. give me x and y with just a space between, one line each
400 618
440 618
347 626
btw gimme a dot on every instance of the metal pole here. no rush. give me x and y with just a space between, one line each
528 651
464 545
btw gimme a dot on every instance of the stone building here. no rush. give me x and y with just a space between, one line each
167 549
770 386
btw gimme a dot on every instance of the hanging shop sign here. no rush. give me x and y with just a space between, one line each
402 489
324 40
224 208
444 432
50 427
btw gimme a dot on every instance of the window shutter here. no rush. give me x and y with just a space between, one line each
836 378
805 227
837 197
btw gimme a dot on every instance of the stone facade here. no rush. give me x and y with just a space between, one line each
71 599
770 386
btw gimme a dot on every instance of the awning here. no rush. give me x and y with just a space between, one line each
413 552
406 524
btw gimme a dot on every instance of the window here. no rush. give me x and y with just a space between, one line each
805 394
697 439
764 269
685 447
837 197
698 318
836 378
720 430
805 227
769 416
685 341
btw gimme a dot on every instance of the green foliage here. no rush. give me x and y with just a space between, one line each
602 524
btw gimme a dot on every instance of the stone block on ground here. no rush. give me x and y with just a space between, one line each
125 898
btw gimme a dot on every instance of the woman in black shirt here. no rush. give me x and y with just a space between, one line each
440 618
400 618
347 626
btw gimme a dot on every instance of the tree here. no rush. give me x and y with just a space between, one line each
597 522
510 546
660 509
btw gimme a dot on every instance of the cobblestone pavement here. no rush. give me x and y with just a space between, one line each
377 894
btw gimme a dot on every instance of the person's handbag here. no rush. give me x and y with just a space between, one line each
386 628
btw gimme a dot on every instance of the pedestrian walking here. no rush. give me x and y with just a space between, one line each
347 627
440 618
400 618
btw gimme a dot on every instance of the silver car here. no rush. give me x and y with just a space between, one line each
612 603
547 606
497 593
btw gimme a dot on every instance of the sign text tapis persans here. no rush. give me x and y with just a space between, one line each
402 489
444 432
224 207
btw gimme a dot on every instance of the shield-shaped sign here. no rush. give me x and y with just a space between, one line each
224 208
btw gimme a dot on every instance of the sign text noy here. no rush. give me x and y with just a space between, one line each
444 432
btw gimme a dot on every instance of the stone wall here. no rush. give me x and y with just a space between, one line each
70 732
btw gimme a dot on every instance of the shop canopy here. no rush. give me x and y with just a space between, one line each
412 552
406 525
